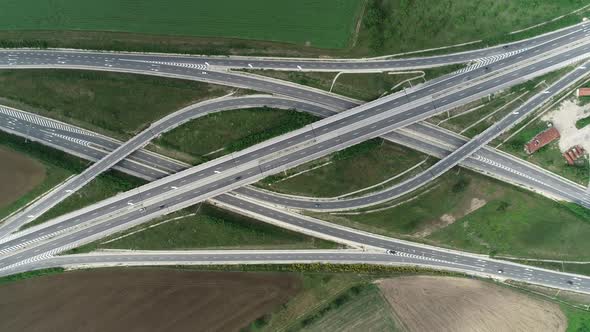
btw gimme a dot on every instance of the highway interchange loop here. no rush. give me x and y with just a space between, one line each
334 133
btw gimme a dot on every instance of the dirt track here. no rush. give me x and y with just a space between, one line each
142 300
460 304
18 175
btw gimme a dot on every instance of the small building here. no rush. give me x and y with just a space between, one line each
573 154
583 92
541 140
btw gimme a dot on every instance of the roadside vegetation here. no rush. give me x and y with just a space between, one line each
348 170
481 215
102 187
308 28
58 167
393 26
549 156
115 104
476 117
217 134
205 226
362 86
29 275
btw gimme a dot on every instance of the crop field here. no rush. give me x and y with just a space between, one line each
461 304
56 166
143 300
18 174
318 23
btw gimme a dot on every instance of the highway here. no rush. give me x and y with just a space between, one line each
167 123
16 57
526 175
449 161
334 133
180 198
406 252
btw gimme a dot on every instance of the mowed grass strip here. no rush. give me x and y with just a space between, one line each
469 211
116 104
206 227
319 23
104 186
220 133
362 86
351 169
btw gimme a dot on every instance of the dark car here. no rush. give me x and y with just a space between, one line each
162 206
569 282
391 252
238 178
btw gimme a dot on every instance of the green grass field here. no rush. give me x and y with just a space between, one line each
112 103
58 167
351 169
513 221
394 26
228 131
209 227
326 24
286 28
577 320
365 87
548 157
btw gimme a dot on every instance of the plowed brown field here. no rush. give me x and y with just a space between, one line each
18 175
459 304
142 300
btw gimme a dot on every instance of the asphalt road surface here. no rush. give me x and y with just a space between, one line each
168 197
73 184
107 59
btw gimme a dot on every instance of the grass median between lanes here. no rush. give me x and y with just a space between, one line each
217 134
104 186
206 227
363 86
351 169
211 227
115 104
481 215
